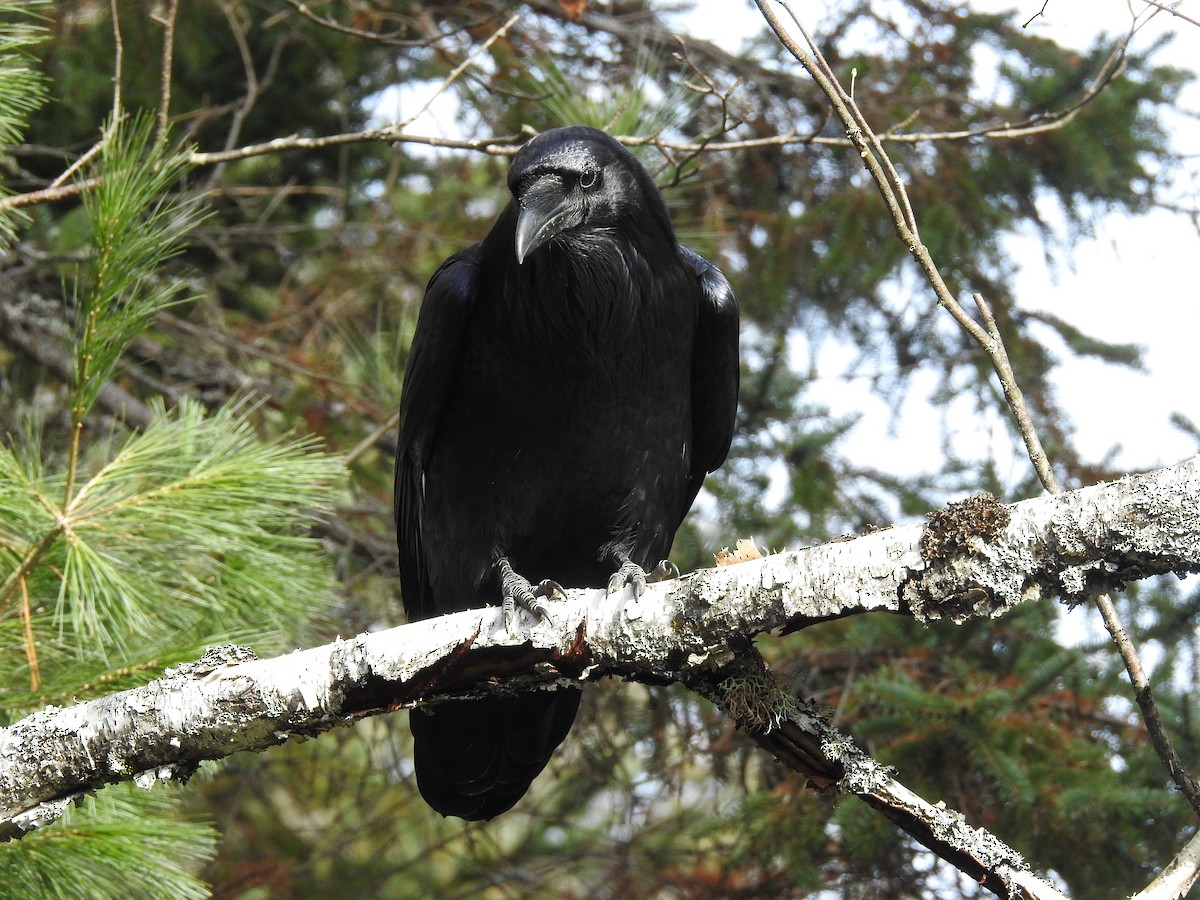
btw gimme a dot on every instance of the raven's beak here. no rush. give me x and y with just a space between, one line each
545 213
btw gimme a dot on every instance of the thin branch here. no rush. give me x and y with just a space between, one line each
1143 692
988 336
679 630
253 87
118 59
993 344
507 145
1040 12
79 164
764 707
168 55
369 441
1173 9
460 68
343 29
389 38
31 657
893 177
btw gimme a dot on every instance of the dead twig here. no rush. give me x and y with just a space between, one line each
986 335
168 53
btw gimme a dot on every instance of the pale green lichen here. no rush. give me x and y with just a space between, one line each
757 702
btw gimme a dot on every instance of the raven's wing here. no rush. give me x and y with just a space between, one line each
474 758
432 365
715 369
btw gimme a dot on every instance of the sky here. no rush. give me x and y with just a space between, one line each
1135 281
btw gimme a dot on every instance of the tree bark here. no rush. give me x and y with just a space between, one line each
975 558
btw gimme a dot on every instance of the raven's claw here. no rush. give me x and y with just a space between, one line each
518 591
630 573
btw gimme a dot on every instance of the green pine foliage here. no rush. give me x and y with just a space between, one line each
125 551
305 271
22 89
190 527
126 843
137 226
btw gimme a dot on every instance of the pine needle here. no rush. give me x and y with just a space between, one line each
22 87
138 225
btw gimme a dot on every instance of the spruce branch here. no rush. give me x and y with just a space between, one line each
797 734
987 335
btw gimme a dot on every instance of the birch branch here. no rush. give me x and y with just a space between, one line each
892 190
977 558
1177 878
796 734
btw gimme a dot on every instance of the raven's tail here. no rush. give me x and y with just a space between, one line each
476 758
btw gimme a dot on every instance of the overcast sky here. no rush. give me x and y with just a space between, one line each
1135 282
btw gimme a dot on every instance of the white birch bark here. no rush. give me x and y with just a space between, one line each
974 559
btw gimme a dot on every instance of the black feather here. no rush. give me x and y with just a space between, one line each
572 379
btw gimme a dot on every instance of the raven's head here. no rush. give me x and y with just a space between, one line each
578 181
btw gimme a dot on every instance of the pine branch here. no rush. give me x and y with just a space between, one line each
22 87
976 559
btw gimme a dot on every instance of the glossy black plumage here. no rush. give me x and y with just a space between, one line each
572 379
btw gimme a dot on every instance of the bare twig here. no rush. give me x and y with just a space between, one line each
254 86
369 441
118 58
1143 692
390 38
988 335
893 177
77 165
48 195
993 344
168 54
507 145
709 88
1040 12
460 68
35 677
1173 9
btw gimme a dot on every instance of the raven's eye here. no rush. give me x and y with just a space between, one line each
589 179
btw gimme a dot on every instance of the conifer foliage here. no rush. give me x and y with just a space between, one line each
212 266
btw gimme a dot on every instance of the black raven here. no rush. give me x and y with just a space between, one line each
572 379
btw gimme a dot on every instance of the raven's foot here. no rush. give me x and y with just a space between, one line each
517 590
630 573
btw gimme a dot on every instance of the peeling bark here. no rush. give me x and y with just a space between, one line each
980 561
